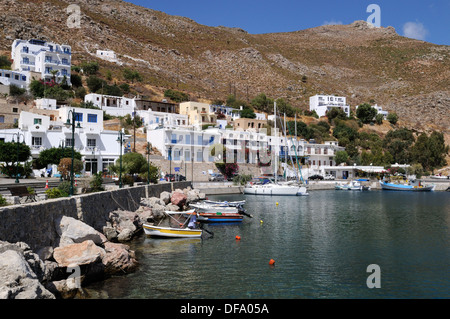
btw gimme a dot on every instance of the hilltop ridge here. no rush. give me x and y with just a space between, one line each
358 61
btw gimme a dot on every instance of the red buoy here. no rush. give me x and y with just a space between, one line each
238 237
271 262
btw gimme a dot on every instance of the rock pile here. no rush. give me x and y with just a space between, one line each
82 254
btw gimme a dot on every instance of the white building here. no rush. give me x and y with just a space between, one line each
46 104
323 103
249 146
43 58
21 79
99 148
153 119
107 55
112 105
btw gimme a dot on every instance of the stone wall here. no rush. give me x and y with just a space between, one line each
34 223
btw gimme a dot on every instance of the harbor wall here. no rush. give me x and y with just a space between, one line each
34 223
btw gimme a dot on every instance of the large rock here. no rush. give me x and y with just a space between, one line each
78 254
18 281
178 198
165 197
191 196
119 259
73 231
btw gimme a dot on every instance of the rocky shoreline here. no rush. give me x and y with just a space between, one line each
83 254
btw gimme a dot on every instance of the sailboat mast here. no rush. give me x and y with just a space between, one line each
276 140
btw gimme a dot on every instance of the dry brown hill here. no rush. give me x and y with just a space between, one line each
362 63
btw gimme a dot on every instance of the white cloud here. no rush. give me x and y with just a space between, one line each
332 22
415 30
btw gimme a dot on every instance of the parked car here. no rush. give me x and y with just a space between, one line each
329 177
174 178
216 177
314 177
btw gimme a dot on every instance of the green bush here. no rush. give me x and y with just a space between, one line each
242 179
3 201
55 193
96 183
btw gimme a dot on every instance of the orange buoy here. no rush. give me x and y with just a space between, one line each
271 262
238 237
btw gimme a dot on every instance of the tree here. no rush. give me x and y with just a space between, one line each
65 165
366 113
336 113
398 143
94 83
262 103
76 80
430 151
341 157
131 75
248 113
14 90
5 62
379 119
8 152
176 96
54 155
90 68
392 118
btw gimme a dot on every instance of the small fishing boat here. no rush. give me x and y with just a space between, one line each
351 186
416 186
174 232
225 203
218 217
212 208
171 232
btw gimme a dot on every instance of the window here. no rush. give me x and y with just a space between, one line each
2 119
15 110
63 71
37 121
106 163
48 59
79 117
91 142
68 142
36 141
92 118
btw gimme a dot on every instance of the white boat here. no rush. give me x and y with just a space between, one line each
411 186
274 189
212 208
225 203
440 176
171 232
351 186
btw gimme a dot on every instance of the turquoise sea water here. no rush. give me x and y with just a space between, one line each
322 245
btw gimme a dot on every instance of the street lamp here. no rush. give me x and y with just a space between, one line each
68 124
149 148
18 134
61 144
120 140
170 161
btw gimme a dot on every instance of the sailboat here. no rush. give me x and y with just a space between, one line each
269 187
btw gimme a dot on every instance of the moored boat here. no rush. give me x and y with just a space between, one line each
411 186
171 232
351 186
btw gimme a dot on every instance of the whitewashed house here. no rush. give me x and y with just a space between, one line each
107 55
112 105
324 103
152 119
21 79
99 148
43 58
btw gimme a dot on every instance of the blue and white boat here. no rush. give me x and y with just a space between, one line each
411 186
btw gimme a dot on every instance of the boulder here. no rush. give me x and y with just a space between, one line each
118 259
178 199
18 281
78 254
73 231
165 197
191 196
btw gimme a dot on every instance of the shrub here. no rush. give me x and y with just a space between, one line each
242 179
54 193
96 183
392 118
3 201
176 96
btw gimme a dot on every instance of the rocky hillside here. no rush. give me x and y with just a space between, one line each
363 63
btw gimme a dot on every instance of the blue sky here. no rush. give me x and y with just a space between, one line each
424 20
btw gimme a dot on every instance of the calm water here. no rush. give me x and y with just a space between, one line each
321 244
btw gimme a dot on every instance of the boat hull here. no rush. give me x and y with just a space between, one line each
407 188
168 232
275 191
